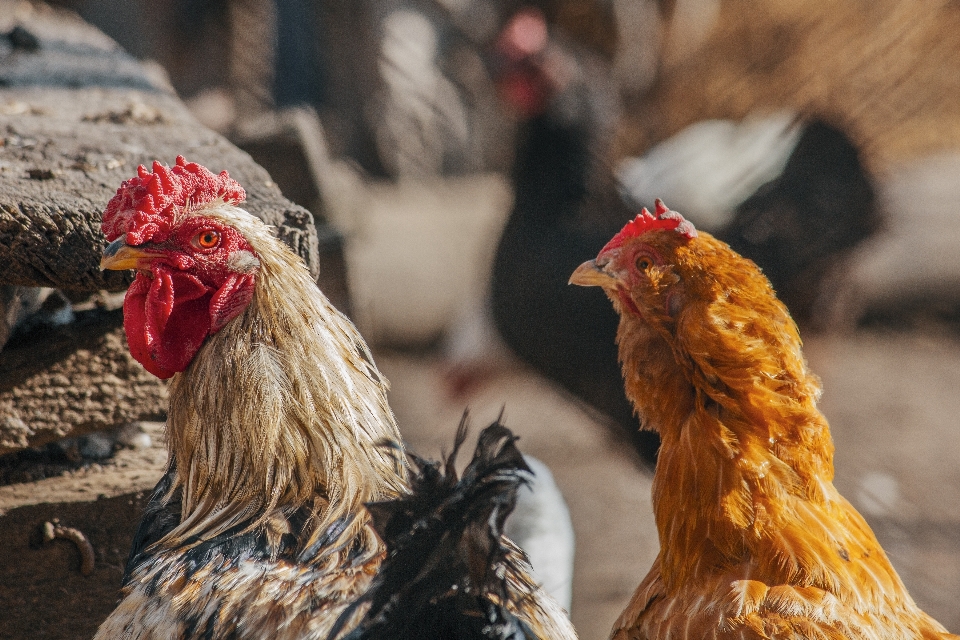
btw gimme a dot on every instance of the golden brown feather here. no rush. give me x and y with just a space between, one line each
756 542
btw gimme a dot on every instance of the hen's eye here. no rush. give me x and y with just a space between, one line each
207 239
643 263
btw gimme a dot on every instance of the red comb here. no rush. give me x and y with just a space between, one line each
645 221
145 206
525 35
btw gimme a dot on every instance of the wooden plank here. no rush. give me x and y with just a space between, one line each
77 115
71 380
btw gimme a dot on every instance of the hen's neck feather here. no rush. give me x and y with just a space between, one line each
281 409
744 475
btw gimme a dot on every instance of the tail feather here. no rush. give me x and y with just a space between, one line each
445 575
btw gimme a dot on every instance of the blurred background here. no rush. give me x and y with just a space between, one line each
466 155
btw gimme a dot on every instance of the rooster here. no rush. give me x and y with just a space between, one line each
755 540
448 565
275 427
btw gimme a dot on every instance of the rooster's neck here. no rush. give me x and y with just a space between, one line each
281 410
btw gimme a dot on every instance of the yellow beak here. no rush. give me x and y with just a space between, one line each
590 275
118 256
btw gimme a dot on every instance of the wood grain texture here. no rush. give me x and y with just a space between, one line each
68 381
77 116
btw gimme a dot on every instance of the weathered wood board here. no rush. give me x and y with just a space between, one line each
77 115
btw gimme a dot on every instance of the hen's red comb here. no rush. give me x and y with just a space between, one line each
645 221
145 206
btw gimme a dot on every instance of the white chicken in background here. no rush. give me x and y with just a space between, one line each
540 524
712 166
418 118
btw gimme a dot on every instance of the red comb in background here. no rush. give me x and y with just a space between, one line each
520 80
525 34
145 205
646 221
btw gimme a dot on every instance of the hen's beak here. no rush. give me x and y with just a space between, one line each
118 256
590 275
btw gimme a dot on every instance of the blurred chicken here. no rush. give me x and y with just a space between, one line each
24 307
275 429
449 572
561 182
796 199
755 540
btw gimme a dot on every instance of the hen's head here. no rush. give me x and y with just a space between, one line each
647 268
528 70
195 271
696 293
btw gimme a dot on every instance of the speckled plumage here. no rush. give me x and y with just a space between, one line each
756 542
273 435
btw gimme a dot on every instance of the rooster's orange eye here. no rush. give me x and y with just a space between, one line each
643 263
207 239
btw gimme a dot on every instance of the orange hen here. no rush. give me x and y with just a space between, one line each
755 540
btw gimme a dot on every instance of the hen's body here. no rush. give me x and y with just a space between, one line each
756 542
277 429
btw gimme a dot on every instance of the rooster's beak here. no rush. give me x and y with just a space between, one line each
118 256
590 275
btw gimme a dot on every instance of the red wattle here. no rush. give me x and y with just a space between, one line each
134 324
628 301
166 318
525 92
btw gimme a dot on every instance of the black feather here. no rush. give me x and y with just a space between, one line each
446 566
162 515
798 225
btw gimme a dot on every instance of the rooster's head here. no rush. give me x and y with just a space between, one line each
527 71
195 271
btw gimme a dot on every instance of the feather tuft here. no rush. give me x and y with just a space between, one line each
447 566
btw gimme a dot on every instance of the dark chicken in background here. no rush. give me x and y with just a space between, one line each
567 200
797 226
448 564
560 179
